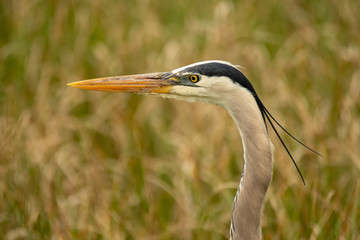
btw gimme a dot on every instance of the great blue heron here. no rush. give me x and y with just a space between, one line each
223 84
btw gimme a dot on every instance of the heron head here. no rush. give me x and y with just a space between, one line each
209 82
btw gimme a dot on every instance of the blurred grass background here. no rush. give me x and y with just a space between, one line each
89 165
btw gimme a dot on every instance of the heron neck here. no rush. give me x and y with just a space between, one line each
257 171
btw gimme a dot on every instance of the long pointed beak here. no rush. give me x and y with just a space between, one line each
140 83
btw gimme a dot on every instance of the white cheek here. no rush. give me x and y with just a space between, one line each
186 91
191 94
219 86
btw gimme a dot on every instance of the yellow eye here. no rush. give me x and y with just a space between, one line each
194 78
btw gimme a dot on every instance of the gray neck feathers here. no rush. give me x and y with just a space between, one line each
257 172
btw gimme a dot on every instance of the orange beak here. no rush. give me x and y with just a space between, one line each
140 83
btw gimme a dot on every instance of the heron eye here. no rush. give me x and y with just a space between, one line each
194 78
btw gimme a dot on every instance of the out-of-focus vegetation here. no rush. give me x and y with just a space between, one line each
78 164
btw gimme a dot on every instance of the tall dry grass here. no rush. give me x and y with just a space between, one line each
88 165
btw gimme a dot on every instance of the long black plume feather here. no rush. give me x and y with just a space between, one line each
267 112
282 142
